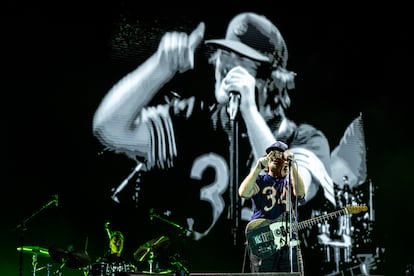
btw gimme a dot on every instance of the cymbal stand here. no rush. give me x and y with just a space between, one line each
59 270
179 265
22 227
34 264
48 266
48 269
151 261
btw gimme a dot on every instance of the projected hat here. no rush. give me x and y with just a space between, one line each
255 37
280 146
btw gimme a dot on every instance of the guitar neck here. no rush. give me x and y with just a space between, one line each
310 222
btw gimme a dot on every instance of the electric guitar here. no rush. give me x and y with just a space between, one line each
265 236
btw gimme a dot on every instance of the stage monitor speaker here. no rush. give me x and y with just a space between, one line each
248 274
222 274
150 274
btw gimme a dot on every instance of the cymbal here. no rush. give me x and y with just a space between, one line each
69 257
39 251
147 250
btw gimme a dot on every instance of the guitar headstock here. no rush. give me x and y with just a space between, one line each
356 209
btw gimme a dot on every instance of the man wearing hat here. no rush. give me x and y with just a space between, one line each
181 142
269 185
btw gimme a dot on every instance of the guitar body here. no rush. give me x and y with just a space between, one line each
265 237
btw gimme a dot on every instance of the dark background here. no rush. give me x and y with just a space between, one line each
59 60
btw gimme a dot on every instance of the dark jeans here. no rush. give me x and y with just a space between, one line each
278 262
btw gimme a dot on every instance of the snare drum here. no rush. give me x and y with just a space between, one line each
100 269
118 267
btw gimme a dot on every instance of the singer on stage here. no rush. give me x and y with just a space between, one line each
275 187
193 142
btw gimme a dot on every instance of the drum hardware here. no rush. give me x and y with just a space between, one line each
69 257
110 269
100 269
22 228
148 252
36 252
175 259
183 230
178 264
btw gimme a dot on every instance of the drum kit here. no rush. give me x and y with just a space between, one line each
69 257
80 260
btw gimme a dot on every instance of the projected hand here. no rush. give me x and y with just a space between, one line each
176 49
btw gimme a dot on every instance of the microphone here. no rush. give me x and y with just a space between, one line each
291 158
107 225
51 201
125 182
234 102
56 200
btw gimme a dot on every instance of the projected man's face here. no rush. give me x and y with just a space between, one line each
224 61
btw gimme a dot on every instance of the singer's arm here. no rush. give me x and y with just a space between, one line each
248 186
258 131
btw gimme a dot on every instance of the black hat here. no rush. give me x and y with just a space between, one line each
256 37
280 146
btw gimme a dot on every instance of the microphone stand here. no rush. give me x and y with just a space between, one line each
289 206
22 228
293 220
182 229
234 173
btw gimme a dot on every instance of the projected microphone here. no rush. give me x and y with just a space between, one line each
290 159
234 102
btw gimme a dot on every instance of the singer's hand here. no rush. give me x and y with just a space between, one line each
176 49
239 80
263 161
